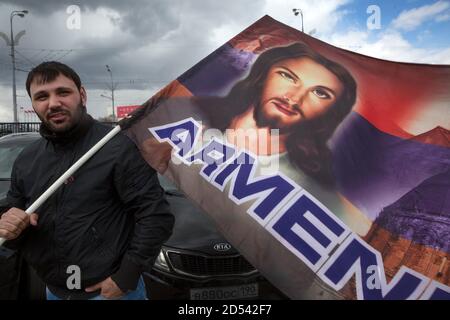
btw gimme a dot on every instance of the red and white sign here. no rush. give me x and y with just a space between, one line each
123 111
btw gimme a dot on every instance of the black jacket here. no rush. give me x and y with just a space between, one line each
110 218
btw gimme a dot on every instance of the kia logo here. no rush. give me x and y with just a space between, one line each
222 246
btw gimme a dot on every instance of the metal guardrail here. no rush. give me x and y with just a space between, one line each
13 127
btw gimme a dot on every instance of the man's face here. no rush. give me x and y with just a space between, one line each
59 103
296 90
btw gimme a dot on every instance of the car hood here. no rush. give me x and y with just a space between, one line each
194 230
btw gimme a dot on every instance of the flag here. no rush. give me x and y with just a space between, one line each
328 170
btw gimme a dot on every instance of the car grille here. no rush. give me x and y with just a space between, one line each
209 266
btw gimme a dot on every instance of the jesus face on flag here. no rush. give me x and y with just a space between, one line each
296 90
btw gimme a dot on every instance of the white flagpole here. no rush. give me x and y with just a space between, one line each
69 172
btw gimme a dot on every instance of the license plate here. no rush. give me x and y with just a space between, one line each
225 293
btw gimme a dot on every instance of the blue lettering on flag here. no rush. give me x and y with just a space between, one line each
355 256
308 230
440 294
271 192
212 155
304 225
436 291
182 135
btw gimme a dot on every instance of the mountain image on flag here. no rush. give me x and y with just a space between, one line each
328 170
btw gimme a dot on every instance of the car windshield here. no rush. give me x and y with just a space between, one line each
8 153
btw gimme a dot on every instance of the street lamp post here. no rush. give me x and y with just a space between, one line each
298 11
13 14
112 92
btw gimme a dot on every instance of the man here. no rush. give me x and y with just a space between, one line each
109 219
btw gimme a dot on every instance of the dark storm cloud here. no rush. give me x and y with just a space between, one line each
157 42
47 7
145 18
189 24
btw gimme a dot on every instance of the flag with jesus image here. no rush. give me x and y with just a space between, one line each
328 170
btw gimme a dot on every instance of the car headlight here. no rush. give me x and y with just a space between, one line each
161 262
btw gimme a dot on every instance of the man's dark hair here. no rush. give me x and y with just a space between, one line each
307 145
49 71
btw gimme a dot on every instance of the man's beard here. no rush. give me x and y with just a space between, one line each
74 118
262 120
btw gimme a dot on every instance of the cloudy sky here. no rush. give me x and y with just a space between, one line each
148 43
